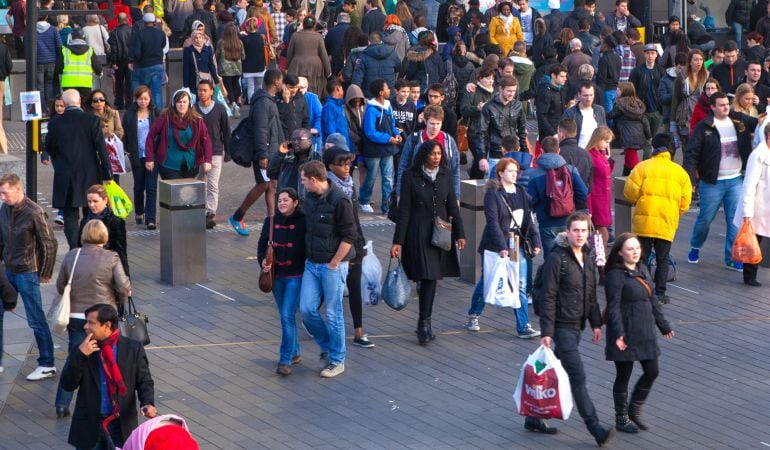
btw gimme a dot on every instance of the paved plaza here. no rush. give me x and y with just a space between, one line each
215 346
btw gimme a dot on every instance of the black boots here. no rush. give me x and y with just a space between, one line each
424 331
538 425
601 434
621 413
638 397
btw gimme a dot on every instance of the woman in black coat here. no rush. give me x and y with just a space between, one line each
427 192
99 209
632 315
423 63
137 121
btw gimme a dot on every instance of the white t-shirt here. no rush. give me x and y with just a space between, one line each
527 26
730 162
588 127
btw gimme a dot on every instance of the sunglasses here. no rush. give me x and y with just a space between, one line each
98 100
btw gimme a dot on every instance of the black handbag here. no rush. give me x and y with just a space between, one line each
133 325
526 242
442 230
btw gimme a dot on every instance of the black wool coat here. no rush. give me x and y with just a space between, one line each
414 229
634 314
77 148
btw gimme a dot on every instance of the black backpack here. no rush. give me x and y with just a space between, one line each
242 143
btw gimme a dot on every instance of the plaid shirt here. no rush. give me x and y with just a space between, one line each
280 24
627 61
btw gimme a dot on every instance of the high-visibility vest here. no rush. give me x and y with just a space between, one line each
77 70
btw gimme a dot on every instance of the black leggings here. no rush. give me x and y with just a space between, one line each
233 86
354 293
624 369
427 293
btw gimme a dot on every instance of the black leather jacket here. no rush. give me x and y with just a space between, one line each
26 241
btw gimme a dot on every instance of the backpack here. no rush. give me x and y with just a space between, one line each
652 264
537 286
558 188
450 85
242 143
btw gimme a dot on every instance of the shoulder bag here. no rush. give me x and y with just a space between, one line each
199 76
442 230
133 325
526 242
266 278
63 310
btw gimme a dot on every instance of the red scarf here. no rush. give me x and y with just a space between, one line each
115 385
179 124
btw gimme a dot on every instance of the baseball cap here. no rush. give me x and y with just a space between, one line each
650 48
338 140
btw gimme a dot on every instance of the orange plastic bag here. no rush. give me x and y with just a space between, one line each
746 247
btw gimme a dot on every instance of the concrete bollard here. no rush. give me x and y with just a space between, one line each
182 231
472 214
624 211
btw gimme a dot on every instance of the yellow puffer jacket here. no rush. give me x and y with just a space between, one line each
503 39
661 191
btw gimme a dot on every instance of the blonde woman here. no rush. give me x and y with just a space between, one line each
687 90
600 197
745 100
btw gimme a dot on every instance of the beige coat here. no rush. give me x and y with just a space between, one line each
111 124
308 58
99 278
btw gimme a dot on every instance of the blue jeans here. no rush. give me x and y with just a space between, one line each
286 293
373 165
145 191
738 30
547 237
566 341
319 281
609 101
152 77
724 192
522 314
28 286
45 77
76 335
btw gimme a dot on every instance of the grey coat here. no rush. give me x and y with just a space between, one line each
99 278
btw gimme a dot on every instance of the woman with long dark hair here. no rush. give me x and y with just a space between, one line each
137 121
178 141
687 90
230 54
423 62
427 194
97 104
632 315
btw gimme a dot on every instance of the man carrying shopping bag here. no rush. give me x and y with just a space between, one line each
569 298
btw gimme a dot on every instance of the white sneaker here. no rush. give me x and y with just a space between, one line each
367 209
473 323
41 373
332 370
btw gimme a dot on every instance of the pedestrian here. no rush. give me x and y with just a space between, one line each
423 63
307 56
608 72
631 123
6 65
569 299
96 36
137 121
331 233
573 154
292 106
586 113
551 100
687 89
215 117
661 192
314 108
395 36
198 63
99 209
752 206
427 182
78 65
288 265
702 109
119 59
507 212
354 114
338 164
600 197
743 100
16 17
254 64
78 151
504 28
49 47
437 97
501 116
9 297
179 141
373 19
28 249
149 49
715 156
98 276
647 76
333 118
284 166
379 61
470 110
268 136
109 372
633 313
230 54
109 118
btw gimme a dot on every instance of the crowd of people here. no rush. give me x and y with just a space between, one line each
335 88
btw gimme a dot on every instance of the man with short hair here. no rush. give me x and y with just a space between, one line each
716 155
731 69
637 47
404 110
436 95
333 42
292 106
48 50
77 65
555 19
147 54
333 118
76 145
331 233
573 153
279 18
378 62
551 100
119 58
589 41
569 299
575 59
215 117
657 211
203 16
374 18
717 56
28 249
646 79
381 141
500 116
284 166
109 372
239 11
621 19
585 113
267 135
527 17
752 77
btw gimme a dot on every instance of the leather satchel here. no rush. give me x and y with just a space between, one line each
266 278
462 137
442 234
133 325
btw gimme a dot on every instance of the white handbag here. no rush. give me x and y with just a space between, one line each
63 310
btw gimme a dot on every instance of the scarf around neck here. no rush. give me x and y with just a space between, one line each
431 173
345 185
507 21
178 125
115 385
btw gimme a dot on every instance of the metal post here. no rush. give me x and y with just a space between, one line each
30 46
472 213
624 211
182 231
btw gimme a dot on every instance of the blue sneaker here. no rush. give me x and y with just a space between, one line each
694 256
238 226
734 265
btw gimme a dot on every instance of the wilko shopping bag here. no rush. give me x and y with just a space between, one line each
501 281
543 389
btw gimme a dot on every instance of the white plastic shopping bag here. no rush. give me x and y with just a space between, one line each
371 277
543 389
499 287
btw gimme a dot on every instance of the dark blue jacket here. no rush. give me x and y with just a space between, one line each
333 43
333 119
495 235
379 127
536 189
206 64
147 47
378 62
48 44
